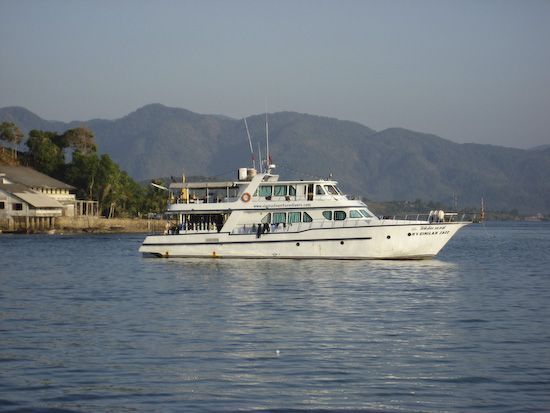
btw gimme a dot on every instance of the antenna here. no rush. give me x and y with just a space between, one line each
260 157
268 160
267 132
250 142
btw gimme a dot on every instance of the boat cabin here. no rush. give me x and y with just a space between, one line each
266 190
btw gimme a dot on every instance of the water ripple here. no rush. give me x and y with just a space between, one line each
87 324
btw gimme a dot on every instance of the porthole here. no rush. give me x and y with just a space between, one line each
388 237
409 234
297 244
341 242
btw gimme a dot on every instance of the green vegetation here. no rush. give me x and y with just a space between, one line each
96 177
11 134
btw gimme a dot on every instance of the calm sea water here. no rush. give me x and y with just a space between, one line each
87 324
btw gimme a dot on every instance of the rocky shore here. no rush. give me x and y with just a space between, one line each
100 225
89 225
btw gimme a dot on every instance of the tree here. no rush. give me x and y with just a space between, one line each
100 179
119 195
46 156
10 133
81 139
96 178
108 180
81 172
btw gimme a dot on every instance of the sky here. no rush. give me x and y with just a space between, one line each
475 71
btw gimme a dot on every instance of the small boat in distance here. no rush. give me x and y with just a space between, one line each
259 216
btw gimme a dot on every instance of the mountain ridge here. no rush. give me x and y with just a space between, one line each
395 163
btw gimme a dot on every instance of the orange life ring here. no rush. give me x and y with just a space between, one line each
246 197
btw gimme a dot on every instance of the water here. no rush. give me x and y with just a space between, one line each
87 324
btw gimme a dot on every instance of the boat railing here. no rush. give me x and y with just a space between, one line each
208 200
160 224
433 217
270 228
300 226
170 225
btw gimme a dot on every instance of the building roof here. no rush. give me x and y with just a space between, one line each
31 178
33 198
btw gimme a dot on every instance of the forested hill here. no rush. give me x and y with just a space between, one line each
394 164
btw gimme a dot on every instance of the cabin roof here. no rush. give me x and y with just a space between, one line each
197 185
232 184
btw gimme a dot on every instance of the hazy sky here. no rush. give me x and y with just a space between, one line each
468 71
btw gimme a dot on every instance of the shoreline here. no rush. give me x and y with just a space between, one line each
85 225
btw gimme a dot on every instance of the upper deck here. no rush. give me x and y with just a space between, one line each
261 191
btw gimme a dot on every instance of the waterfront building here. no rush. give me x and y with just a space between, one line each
32 200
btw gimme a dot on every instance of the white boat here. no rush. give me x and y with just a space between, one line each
259 216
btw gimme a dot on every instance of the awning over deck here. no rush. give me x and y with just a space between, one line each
201 185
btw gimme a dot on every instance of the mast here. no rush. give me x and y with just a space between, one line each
267 137
260 158
250 142
269 162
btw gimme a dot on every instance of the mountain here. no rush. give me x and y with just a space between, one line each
539 148
395 163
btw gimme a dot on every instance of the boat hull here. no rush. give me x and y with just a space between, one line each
388 241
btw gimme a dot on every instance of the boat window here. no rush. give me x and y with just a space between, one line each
338 189
339 215
366 213
265 190
327 214
309 192
292 190
355 214
279 190
201 221
319 190
279 217
294 217
266 219
331 190
307 218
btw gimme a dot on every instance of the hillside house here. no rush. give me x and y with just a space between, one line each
32 200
